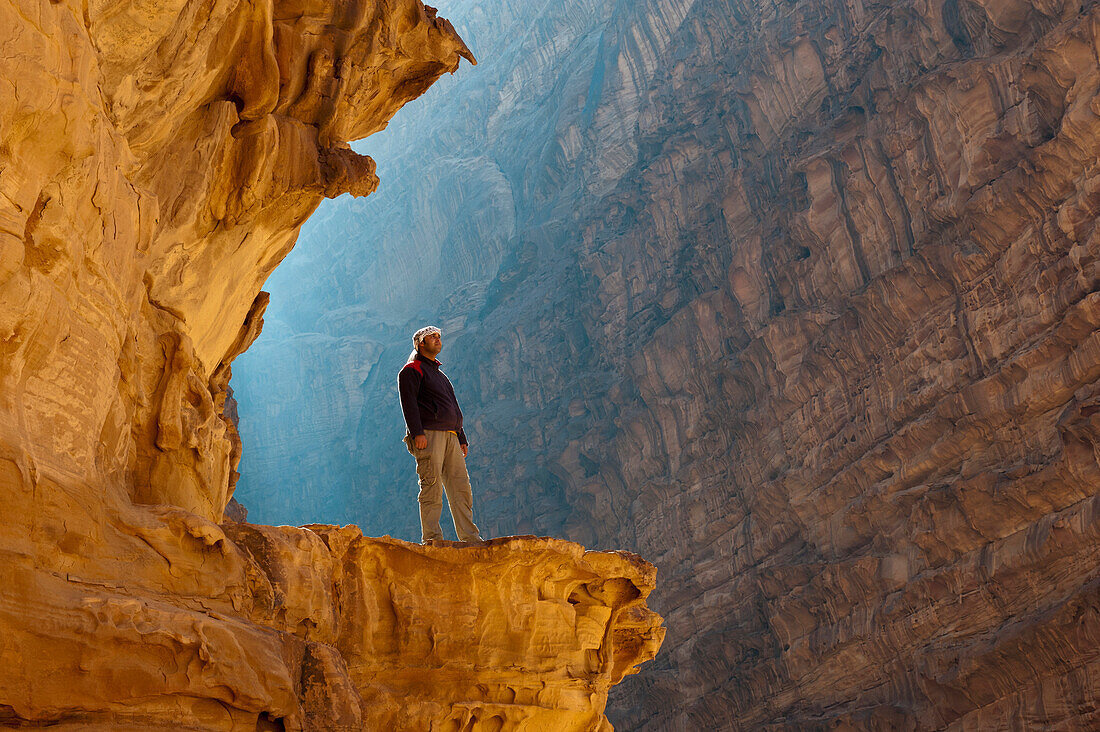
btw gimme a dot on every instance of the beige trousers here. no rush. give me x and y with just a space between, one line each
441 466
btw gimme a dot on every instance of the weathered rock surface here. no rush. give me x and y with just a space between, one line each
156 162
799 299
181 624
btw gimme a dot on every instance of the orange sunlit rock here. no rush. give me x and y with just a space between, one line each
156 162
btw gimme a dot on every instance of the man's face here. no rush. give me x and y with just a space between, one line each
431 345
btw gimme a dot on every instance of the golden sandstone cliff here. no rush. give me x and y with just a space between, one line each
156 161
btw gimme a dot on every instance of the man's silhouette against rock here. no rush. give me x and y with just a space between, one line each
436 439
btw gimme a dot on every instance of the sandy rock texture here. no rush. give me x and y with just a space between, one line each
800 300
265 628
156 162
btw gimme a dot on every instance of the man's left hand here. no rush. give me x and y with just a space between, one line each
465 450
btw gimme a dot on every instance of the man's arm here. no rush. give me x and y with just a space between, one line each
408 384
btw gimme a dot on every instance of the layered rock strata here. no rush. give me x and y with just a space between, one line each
798 299
250 627
156 162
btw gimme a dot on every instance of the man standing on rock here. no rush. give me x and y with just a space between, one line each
436 439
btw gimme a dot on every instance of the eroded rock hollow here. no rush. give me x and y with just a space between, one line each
156 163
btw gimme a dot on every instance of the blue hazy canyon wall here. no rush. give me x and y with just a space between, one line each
466 168
796 299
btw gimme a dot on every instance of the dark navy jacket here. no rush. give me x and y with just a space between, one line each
428 399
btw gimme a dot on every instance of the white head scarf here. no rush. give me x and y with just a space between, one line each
419 336
424 332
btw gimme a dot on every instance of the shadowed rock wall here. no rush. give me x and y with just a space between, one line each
799 299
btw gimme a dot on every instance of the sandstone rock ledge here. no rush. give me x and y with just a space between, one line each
320 628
